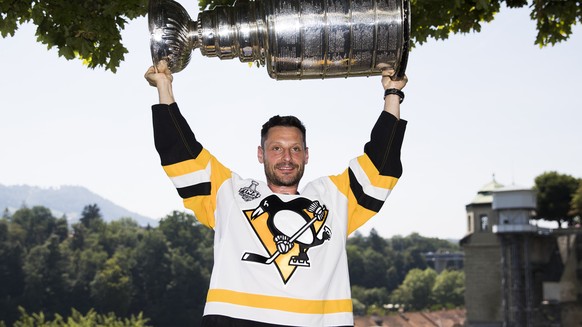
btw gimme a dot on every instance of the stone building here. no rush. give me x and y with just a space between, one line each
516 273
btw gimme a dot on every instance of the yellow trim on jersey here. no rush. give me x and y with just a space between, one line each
387 182
203 206
188 166
203 209
280 303
342 182
358 215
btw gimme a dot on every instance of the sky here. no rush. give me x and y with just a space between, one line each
479 106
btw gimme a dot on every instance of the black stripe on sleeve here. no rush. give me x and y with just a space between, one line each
194 190
362 198
173 138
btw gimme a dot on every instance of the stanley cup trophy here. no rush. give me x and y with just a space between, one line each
295 39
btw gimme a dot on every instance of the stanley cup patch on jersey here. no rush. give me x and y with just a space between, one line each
287 231
249 193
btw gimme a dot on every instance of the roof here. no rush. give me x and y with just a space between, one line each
445 318
485 194
513 188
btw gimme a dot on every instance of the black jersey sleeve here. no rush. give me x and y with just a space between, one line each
173 137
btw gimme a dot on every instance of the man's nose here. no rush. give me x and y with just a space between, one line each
287 154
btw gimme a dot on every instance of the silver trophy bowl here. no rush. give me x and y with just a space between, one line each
294 39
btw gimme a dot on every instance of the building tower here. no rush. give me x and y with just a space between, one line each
518 274
515 207
482 263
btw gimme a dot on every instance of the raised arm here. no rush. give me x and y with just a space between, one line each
195 173
371 177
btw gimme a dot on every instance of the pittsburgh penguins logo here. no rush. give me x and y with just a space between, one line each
287 230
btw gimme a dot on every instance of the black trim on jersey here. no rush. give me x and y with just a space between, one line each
224 321
174 140
194 190
383 149
362 198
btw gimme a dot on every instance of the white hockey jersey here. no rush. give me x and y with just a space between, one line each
306 283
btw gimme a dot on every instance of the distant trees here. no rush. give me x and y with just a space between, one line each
384 271
416 290
449 288
77 319
118 269
119 272
576 204
423 289
558 197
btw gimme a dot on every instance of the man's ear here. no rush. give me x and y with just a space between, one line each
306 155
260 154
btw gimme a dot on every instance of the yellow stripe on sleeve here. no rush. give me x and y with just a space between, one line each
357 215
387 182
188 166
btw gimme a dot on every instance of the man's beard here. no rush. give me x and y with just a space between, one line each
277 181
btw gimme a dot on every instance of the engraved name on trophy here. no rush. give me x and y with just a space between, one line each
295 39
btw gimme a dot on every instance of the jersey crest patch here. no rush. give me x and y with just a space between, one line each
249 193
287 231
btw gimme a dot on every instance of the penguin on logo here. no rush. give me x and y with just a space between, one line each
287 219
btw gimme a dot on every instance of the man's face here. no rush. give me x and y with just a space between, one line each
284 156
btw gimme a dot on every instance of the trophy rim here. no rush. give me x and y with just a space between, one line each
165 16
401 71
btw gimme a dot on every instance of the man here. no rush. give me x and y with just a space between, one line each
279 254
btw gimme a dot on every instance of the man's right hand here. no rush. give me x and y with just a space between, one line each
389 80
161 78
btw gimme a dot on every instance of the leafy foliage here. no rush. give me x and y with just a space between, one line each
77 319
449 288
86 29
576 204
554 19
379 269
89 30
416 290
211 4
116 268
555 193
423 289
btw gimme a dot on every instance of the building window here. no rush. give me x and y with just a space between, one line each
484 222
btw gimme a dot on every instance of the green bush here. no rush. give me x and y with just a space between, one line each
77 319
